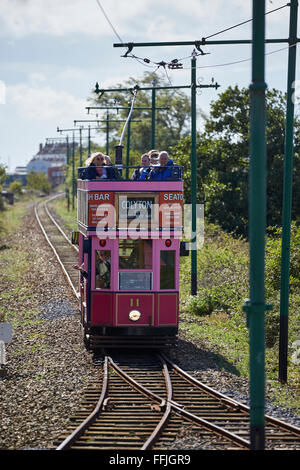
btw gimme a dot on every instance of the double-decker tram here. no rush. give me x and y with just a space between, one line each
129 249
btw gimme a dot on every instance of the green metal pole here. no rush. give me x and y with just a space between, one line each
257 226
73 172
153 114
287 196
193 178
107 133
202 42
68 159
89 140
80 140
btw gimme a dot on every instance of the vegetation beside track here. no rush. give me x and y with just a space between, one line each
69 217
216 317
15 263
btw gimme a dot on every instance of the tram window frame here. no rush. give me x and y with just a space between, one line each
97 281
163 278
140 266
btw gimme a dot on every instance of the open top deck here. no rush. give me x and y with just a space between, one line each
117 207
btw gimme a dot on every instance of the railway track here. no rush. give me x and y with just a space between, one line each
64 251
143 401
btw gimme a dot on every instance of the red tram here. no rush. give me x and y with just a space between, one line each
129 248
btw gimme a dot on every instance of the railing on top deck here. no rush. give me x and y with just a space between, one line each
132 173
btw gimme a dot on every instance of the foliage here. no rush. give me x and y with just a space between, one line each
38 182
273 259
3 175
15 187
2 179
172 120
223 160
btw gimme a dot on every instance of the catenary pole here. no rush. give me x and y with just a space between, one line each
256 307
287 195
193 177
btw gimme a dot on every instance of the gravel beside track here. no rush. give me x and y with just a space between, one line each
48 367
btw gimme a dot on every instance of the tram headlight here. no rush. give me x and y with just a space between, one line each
134 315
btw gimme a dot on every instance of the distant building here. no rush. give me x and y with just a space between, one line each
52 154
18 175
56 175
51 159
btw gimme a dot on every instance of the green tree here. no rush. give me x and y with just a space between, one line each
15 187
3 177
223 160
38 182
172 123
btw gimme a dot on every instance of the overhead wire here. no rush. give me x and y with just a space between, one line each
109 22
175 63
244 22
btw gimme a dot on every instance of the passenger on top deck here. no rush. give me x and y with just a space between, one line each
96 168
112 173
164 170
142 173
153 154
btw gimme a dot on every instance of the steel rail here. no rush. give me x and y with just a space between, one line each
183 413
54 250
60 229
67 443
145 391
229 401
164 420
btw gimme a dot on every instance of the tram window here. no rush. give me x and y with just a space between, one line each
135 254
102 269
167 269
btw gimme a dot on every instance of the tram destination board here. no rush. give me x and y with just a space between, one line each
137 211
136 207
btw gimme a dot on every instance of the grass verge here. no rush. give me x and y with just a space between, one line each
15 262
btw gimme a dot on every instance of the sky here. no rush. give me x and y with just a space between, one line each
53 52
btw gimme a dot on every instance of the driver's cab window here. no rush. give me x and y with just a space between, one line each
102 269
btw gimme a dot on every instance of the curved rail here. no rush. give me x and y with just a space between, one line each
124 422
49 241
59 228
275 425
66 444
164 420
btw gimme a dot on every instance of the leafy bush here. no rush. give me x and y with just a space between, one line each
207 301
15 187
273 259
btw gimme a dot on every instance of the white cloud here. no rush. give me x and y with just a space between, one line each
150 20
60 17
44 103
